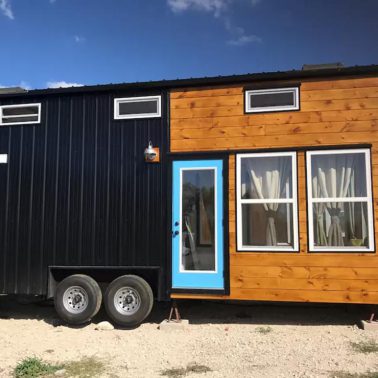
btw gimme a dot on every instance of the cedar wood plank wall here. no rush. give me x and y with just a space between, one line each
333 112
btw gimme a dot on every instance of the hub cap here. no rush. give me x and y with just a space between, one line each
127 301
75 300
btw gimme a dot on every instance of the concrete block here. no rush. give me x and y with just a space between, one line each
369 326
104 326
165 325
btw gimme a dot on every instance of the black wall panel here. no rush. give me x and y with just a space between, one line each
76 190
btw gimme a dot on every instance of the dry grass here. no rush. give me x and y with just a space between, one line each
343 374
369 346
34 367
264 330
181 372
85 368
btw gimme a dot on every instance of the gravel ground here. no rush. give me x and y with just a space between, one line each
235 340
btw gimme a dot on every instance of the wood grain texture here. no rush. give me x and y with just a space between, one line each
333 112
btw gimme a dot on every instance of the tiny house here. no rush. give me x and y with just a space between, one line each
255 187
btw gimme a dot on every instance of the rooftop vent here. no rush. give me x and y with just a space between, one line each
11 90
324 66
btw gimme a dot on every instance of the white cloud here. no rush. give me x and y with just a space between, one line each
62 84
218 8
239 36
213 6
79 39
25 85
244 39
6 9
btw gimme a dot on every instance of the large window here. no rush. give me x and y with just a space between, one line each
267 218
20 114
340 214
137 107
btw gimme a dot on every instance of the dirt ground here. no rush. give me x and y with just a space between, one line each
225 340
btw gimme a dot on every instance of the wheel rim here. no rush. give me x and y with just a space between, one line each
75 299
127 301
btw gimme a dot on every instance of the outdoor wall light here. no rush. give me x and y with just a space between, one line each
151 153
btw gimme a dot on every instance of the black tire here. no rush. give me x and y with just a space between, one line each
129 288
87 291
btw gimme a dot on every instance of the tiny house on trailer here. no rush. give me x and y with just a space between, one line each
250 187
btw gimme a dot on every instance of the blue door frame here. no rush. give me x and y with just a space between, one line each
183 278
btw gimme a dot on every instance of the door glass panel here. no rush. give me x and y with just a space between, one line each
197 220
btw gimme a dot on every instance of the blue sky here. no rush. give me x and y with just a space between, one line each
55 42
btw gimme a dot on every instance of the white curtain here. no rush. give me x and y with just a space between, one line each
268 179
319 210
332 177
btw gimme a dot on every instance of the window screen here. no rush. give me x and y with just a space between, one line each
137 107
20 114
264 100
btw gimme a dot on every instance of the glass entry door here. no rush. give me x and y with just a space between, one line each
197 225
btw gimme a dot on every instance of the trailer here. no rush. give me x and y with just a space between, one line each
254 187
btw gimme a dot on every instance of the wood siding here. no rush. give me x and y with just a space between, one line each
333 112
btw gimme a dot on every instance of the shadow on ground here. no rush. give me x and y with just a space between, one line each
204 312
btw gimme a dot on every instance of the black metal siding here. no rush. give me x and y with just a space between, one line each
76 190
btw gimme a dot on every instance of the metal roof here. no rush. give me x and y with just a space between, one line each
209 81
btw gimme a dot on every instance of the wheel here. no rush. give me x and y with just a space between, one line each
128 300
77 299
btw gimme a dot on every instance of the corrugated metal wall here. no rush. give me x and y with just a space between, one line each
76 190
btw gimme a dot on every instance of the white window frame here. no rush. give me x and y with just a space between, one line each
293 201
279 108
118 101
368 199
38 105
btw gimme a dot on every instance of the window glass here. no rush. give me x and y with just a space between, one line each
268 226
139 107
267 178
338 175
198 220
259 100
20 111
20 119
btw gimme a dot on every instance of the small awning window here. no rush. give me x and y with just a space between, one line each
20 114
137 107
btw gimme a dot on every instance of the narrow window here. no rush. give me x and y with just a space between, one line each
271 100
267 218
137 107
20 114
340 211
